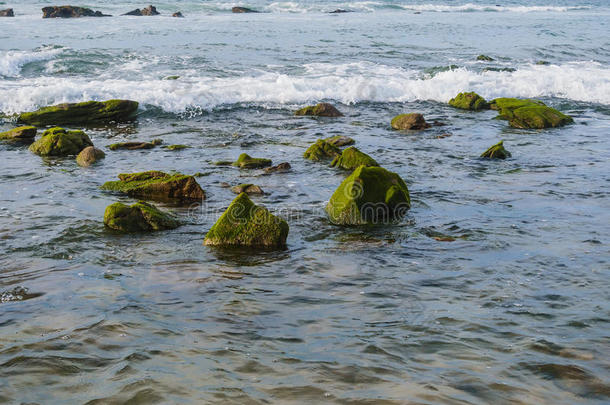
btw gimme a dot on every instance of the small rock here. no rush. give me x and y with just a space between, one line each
244 161
485 58
135 145
243 10
352 158
247 188
340 140
89 155
339 11
176 147
319 110
412 121
178 14
7 13
496 152
148 11
321 150
140 217
281 168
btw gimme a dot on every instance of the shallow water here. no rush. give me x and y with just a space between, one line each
514 310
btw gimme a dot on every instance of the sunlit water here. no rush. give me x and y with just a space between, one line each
514 310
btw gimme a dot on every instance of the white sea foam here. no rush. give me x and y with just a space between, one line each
11 62
346 83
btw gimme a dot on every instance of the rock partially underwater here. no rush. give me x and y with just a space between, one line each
412 121
319 110
249 189
469 101
23 134
147 11
70 12
60 142
140 217
340 140
352 158
243 10
135 145
321 150
89 156
245 161
88 112
496 152
526 113
156 185
7 13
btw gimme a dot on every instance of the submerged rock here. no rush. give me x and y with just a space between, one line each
469 101
496 152
140 217
243 10
7 13
178 14
412 121
528 113
352 158
245 161
176 147
340 140
70 12
485 58
19 134
339 11
319 110
246 224
281 168
156 185
89 155
247 188
60 142
135 145
321 150
150 10
81 113
370 195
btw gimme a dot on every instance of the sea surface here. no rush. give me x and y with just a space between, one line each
494 289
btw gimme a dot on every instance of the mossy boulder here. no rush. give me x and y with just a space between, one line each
469 101
352 158
135 145
485 58
525 113
247 188
88 112
496 152
321 150
60 142
249 225
140 217
412 121
370 195
19 134
156 185
340 140
89 156
245 161
319 110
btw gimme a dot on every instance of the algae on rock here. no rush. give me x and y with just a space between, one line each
157 185
412 121
340 140
496 152
525 113
321 150
245 161
469 101
352 158
60 142
19 134
319 110
140 217
88 112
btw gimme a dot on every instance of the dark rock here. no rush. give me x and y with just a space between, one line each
148 11
178 14
70 12
320 110
281 168
247 188
339 11
485 58
7 13
243 10
135 145
340 140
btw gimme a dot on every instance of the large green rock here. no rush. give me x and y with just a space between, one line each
246 224
469 101
19 134
60 142
88 112
140 217
320 110
352 158
526 113
245 161
411 121
320 150
156 185
370 195
496 152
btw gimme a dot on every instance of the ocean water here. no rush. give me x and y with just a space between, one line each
514 310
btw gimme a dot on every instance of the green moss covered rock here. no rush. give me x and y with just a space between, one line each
412 121
321 150
352 158
469 101
496 152
140 217
19 134
135 145
320 110
245 161
156 185
246 224
340 140
60 142
247 188
370 195
524 113
88 112
485 58
89 155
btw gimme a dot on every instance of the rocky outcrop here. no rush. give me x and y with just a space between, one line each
20 134
248 225
528 113
412 121
60 142
243 10
281 168
7 13
469 101
148 11
245 161
70 12
370 195
340 140
140 217
247 188
485 58
352 158
88 112
496 152
135 145
156 185
319 110
321 150
89 156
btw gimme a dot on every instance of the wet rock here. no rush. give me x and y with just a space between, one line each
89 155
148 11
321 150
178 14
281 168
370 195
19 134
522 113
469 101
140 217
223 163
70 12
156 185
319 110
339 11
412 121
340 140
499 69
485 58
249 225
60 142
176 147
352 158
247 188
175 77
496 152
243 10
245 161
7 13
88 112
542 62
135 145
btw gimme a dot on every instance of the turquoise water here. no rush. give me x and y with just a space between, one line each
514 310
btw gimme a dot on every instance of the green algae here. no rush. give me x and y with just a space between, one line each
352 158
19 134
87 112
157 185
497 151
320 150
140 217
176 147
411 121
469 101
319 110
245 161
59 142
525 113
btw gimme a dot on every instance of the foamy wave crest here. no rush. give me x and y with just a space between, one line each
11 62
346 83
469 7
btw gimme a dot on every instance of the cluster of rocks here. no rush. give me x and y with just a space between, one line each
78 12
